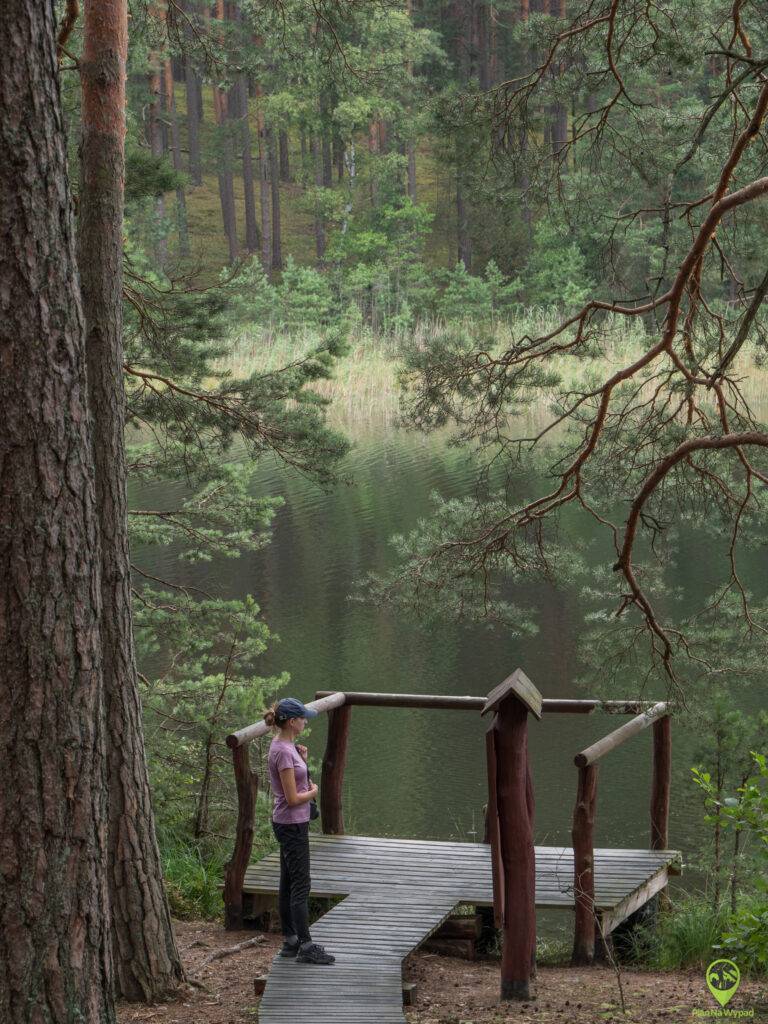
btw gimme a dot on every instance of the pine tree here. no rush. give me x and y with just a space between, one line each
55 947
147 963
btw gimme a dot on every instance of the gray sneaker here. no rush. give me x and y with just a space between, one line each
289 948
314 954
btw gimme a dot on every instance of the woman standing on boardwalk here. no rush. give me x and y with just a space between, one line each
293 792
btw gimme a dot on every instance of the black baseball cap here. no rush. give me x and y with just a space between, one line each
290 707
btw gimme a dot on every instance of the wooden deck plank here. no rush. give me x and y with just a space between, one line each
365 983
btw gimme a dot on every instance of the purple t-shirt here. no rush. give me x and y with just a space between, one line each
284 755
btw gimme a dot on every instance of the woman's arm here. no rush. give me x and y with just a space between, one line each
294 799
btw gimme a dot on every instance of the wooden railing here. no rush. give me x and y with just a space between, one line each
338 705
584 814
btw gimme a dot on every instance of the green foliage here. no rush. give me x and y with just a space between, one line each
746 935
204 655
465 297
556 271
304 297
696 928
442 576
686 936
148 176
745 939
193 877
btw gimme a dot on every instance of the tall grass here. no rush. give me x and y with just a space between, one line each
193 875
365 390
365 385
684 936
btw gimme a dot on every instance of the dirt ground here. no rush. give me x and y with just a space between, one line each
449 991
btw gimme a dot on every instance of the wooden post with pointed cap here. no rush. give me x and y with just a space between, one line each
510 829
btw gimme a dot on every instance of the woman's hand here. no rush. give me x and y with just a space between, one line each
313 790
302 752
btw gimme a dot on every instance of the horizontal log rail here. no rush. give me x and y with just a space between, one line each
451 703
251 732
621 735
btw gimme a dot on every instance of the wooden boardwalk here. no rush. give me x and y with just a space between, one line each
398 892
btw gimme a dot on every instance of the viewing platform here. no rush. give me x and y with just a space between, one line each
395 893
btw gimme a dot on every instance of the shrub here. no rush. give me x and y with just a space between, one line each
685 936
193 876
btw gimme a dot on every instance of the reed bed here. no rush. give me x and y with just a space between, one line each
365 390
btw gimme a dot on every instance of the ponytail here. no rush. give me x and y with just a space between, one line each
270 717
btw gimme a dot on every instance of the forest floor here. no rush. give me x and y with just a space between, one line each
449 991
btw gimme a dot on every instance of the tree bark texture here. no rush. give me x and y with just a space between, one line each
55 952
559 111
264 191
252 240
181 200
193 122
285 160
147 964
319 219
662 783
226 181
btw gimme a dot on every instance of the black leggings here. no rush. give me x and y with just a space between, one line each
295 882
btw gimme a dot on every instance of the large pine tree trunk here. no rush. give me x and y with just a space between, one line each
274 180
55 950
483 43
147 965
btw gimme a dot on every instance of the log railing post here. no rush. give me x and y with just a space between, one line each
234 875
332 779
662 782
510 830
583 866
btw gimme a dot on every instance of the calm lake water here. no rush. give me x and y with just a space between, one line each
422 773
